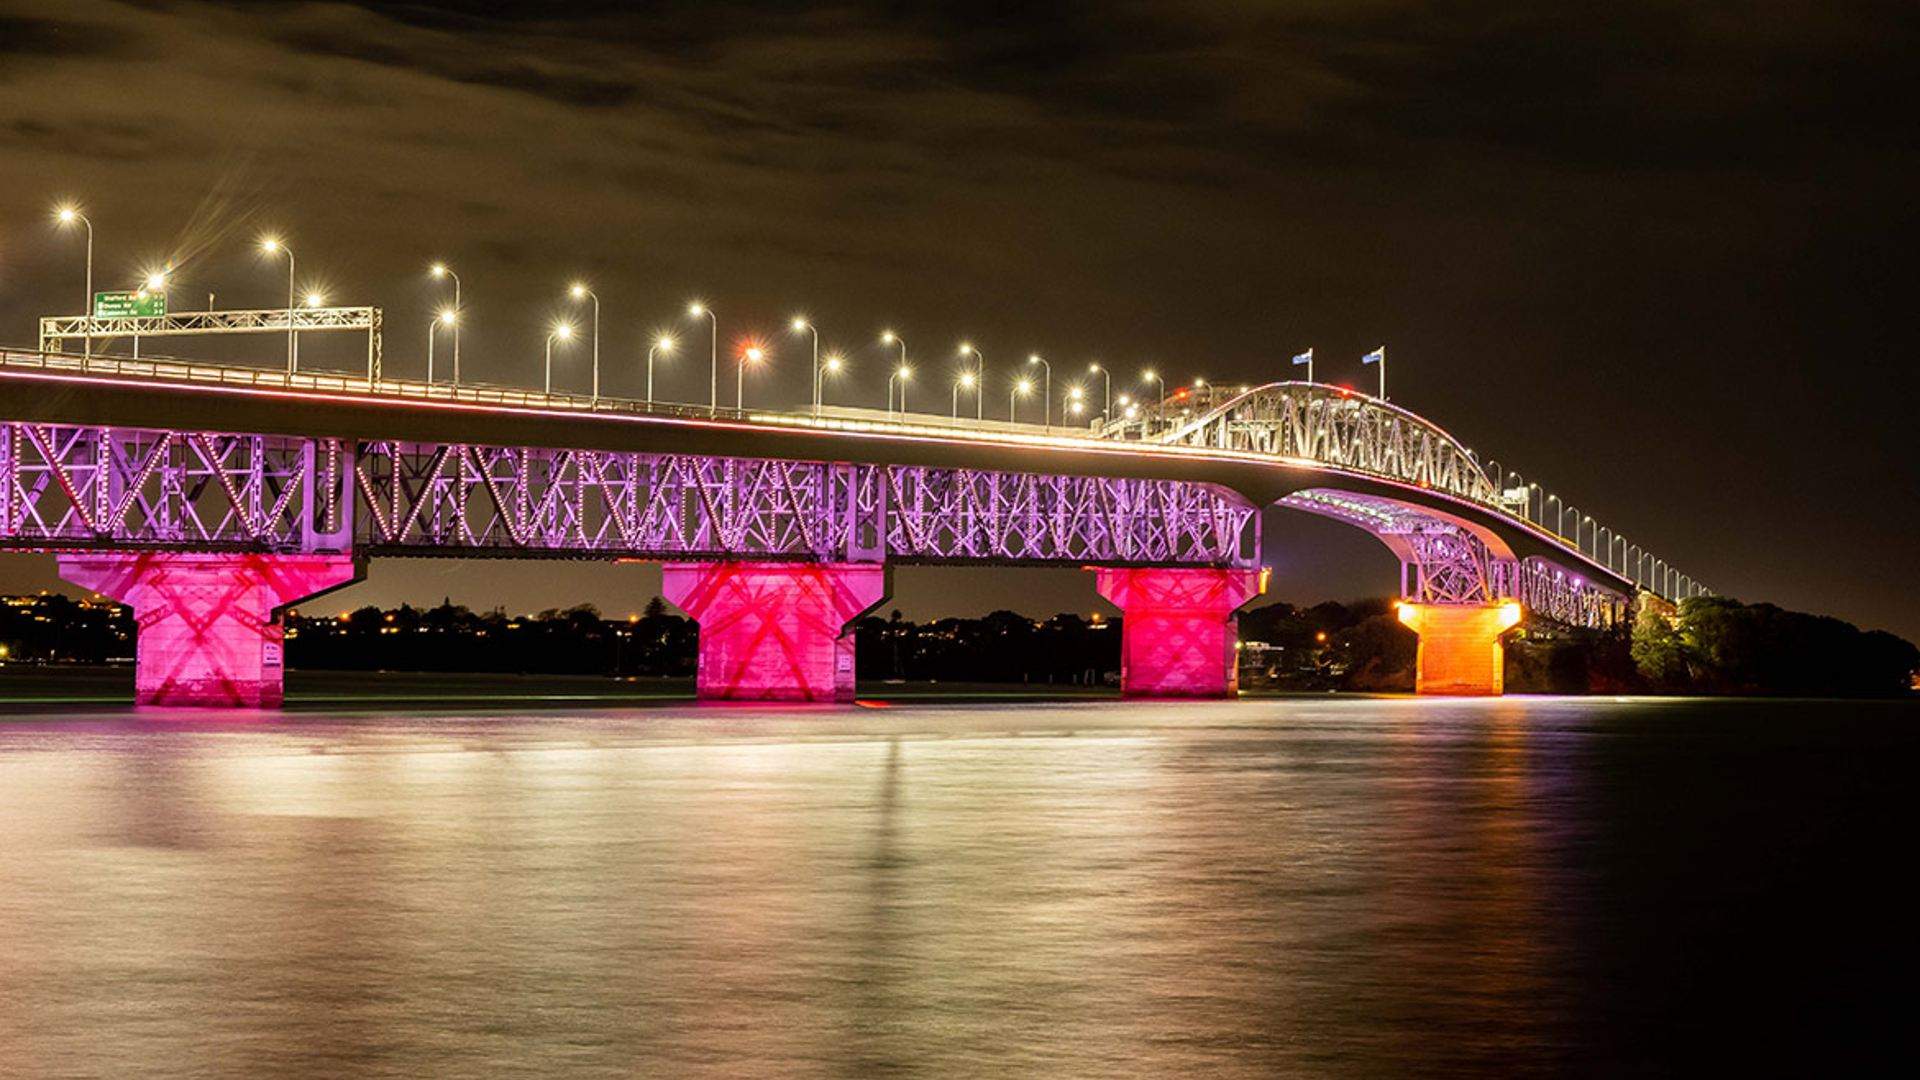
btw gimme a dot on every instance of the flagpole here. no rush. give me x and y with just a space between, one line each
1379 356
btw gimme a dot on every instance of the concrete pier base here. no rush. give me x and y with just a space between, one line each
775 631
1179 633
1460 652
208 625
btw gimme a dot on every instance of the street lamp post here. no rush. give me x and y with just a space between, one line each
155 282
800 324
1152 376
888 337
67 216
273 245
661 344
1046 389
579 291
447 317
1020 389
442 270
966 380
752 354
980 376
1107 380
903 374
696 310
564 332
831 365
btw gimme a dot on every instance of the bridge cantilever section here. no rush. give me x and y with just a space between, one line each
251 462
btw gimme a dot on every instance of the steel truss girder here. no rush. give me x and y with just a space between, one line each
1443 562
1327 426
80 486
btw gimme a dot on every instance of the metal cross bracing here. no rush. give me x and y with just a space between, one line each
66 486
1445 562
963 514
1318 424
75 487
1328 426
59 331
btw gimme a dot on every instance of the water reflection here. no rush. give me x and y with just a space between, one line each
1252 888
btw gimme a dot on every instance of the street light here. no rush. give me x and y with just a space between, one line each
579 291
753 354
1107 377
314 299
904 374
273 245
696 310
967 380
562 332
979 373
1046 389
153 281
1021 388
831 365
888 337
799 324
661 344
442 270
445 318
1151 376
67 215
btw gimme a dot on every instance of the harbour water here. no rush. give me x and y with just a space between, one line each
1282 886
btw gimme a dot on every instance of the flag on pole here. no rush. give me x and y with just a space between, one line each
1307 359
1379 356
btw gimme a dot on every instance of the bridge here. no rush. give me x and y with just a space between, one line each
211 497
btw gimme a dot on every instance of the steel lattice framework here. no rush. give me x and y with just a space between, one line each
1325 425
57 332
77 487
1444 561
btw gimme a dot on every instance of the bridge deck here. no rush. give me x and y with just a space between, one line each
178 394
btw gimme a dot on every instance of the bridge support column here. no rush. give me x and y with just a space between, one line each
1179 632
1460 652
775 631
208 626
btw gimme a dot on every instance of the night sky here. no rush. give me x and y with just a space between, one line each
1649 258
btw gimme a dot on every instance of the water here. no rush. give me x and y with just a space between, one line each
1267 887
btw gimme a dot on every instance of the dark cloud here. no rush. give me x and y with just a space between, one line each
46 39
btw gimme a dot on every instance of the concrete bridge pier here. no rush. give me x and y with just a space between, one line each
1179 632
1460 652
209 628
775 631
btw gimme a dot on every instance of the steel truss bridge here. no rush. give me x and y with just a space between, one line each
1175 487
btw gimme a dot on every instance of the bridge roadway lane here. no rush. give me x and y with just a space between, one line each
72 398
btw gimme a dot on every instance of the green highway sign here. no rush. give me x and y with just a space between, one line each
122 305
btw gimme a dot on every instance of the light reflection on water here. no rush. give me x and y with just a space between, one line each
1304 886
